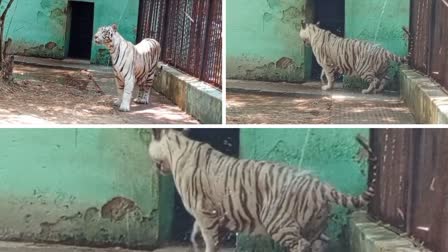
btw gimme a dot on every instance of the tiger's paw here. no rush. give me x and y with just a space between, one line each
125 107
365 91
141 101
326 87
117 102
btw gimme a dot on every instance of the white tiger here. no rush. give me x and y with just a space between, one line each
224 193
132 65
350 57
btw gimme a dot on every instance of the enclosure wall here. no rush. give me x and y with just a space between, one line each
81 186
263 40
331 154
39 28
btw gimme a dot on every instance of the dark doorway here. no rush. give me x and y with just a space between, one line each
81 30
331 15
224 140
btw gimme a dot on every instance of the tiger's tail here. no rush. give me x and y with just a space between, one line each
339 198
396 58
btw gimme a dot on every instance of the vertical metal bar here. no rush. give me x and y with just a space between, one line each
205 45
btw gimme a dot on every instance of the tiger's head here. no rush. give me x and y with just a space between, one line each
163 146
307 31
105 34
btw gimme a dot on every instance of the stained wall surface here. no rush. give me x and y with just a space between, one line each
82 186
39 28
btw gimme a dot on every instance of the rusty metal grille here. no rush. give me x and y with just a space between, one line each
429 38
190 32
412 183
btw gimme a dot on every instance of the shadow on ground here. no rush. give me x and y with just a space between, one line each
60 96
253 102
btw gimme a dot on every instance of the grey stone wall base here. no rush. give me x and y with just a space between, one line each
197 98
367 236
425 98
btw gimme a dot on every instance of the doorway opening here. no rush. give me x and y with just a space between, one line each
228 142
81 30
331 15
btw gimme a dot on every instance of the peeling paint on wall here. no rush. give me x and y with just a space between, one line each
261 39
94 187
35 23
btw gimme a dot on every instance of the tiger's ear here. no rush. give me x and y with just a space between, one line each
303 24
318 24
186 132
115 27
157 134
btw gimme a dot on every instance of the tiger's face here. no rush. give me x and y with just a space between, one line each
105 34
305 33
159 150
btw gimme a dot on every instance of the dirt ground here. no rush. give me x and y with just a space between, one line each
57 96
249 108
254 102
31 247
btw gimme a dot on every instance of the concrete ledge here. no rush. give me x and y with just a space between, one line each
366 236
425 98
196 97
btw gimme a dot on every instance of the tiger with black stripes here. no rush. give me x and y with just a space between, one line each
349 57
132 65
224 194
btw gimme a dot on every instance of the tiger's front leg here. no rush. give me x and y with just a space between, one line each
120 87
127 93
194 236
330 78
209 228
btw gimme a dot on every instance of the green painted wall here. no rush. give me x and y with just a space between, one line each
331 154
82 186
39 27
263 36
379 21
263 40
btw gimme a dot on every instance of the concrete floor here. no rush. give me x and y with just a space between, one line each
31 247
255 102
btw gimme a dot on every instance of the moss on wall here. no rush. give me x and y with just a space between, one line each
331 154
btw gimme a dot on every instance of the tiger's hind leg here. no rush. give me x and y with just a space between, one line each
381 87
289 237
145 90
144 94
373 82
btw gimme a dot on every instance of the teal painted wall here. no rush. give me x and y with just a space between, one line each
263 36
379 21
263 40
61 185
39 27
331 154
122 12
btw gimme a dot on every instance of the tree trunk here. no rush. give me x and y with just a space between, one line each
6 61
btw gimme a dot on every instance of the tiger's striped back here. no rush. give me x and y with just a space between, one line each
254 197
349 57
